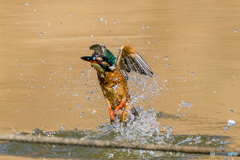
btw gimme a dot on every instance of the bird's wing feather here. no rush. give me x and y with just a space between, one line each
125 75
129 60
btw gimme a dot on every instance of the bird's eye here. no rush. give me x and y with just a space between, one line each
103 59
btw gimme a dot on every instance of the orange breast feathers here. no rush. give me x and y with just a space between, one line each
114 87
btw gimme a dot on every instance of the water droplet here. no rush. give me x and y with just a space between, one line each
93 111
85 85
69 68
192 73
50 73
231 111
102 76
231 123
169 128
198 137
110 155
88 98
151 91
226 127
71 15
40 33
235 30
163 127
81 114
114 22
26 4
100 20
168 132
152 153
150 109
49 24
186 104
139 81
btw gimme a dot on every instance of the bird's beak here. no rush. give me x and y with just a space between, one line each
89 59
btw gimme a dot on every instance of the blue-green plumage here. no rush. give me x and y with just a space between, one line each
110 56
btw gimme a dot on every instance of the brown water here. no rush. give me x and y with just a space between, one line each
192 47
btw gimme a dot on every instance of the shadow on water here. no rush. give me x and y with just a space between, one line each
144 130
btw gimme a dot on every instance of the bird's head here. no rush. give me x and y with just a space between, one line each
100 62
102 59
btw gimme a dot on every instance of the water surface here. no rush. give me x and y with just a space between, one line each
192 46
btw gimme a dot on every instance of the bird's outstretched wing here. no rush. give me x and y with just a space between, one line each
129 60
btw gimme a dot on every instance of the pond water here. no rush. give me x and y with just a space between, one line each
191 46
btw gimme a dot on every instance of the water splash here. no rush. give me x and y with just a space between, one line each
144 131
141 130
143 87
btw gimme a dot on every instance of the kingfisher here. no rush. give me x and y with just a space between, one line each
113 77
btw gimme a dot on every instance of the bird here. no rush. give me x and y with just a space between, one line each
112 75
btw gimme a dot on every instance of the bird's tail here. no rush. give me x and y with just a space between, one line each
133 111
133 115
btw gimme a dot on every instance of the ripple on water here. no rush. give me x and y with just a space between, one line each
144 130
